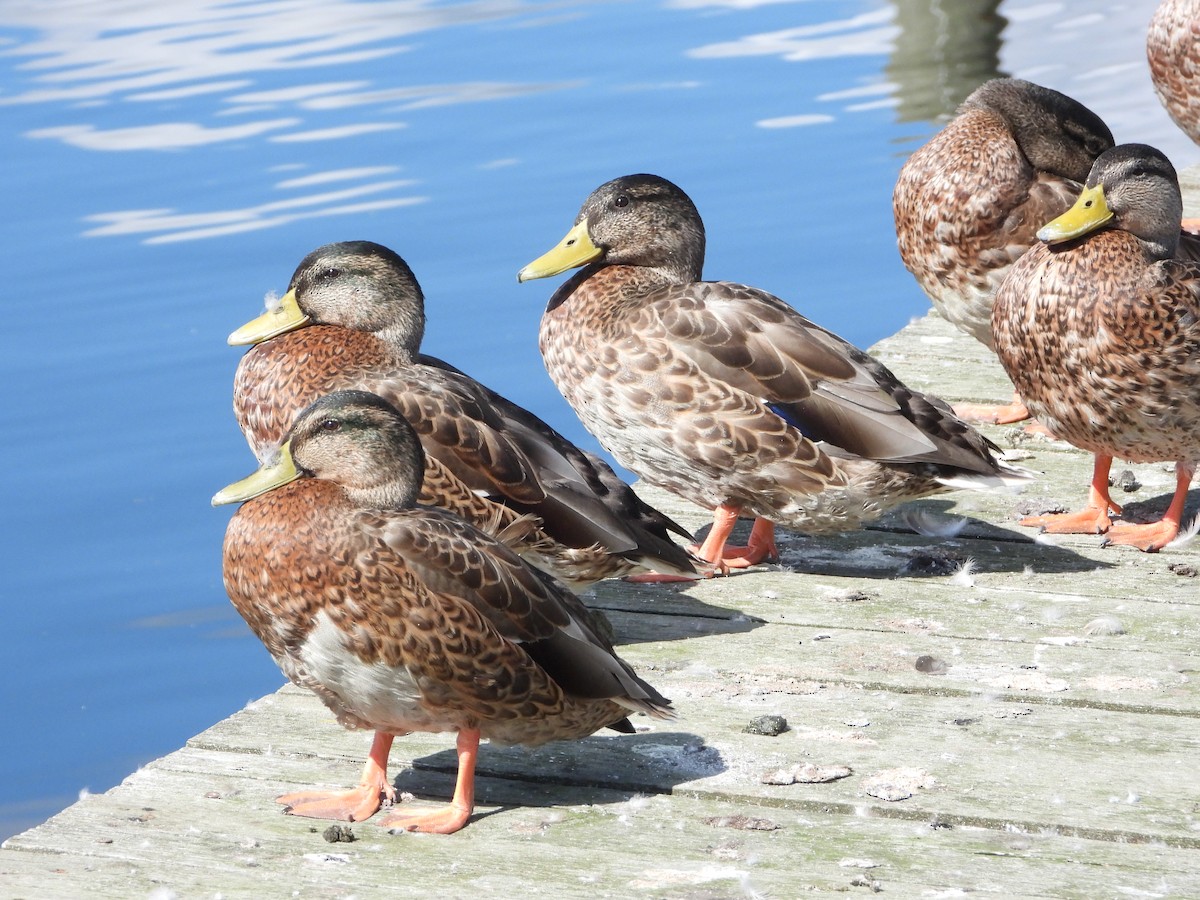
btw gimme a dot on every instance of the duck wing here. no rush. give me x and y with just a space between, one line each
834 394
478 579
578 497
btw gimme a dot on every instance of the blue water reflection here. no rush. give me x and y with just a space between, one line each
168 164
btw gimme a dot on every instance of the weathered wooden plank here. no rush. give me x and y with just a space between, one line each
988 741
978 607
536 840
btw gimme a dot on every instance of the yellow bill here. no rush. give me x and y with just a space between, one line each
276 473
576 249
287 316
1089 213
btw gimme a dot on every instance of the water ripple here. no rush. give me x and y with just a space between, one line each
168 225
867 34
88 51
190 66
162 136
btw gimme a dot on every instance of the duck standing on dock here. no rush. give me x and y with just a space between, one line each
969 202
406 618
724 394
1099 329
354 317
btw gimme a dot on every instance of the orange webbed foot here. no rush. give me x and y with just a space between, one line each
445 820
1154 536
1150 538
356 805
1093 518
992 413
1089 520
733 557
759 547
750 555
1037 429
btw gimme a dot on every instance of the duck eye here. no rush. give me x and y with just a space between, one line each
330 273
330 425
622 201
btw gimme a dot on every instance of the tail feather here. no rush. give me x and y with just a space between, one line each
1007 477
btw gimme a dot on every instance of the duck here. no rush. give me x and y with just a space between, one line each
968 203
724 394
1099 328
1173 54
402 617
353 317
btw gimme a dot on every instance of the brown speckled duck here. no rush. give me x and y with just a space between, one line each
406 618
1173 52
724 394
1099 328
354 317
970 201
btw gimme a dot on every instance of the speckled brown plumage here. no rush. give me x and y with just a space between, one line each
365 321
406 618
724 394
969 202
1100 329
1173 52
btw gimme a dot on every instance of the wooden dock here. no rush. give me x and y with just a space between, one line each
977 713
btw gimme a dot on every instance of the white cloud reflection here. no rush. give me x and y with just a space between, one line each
337 175
167 225
725 4
189 90
868 34
331 134
794 121
164 136
425 96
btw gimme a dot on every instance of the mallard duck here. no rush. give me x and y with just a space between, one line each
354 317
969 202
406 618
1099 328
724 394
1173 52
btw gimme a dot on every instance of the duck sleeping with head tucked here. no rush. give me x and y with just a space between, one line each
969 202
724 394
406 618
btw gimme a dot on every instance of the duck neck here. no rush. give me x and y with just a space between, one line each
384 495
403 339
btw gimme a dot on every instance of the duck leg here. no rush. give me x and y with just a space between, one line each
355 805
1156 535
1093 518
449 819
760 546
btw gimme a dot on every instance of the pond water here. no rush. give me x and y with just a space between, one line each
167 164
